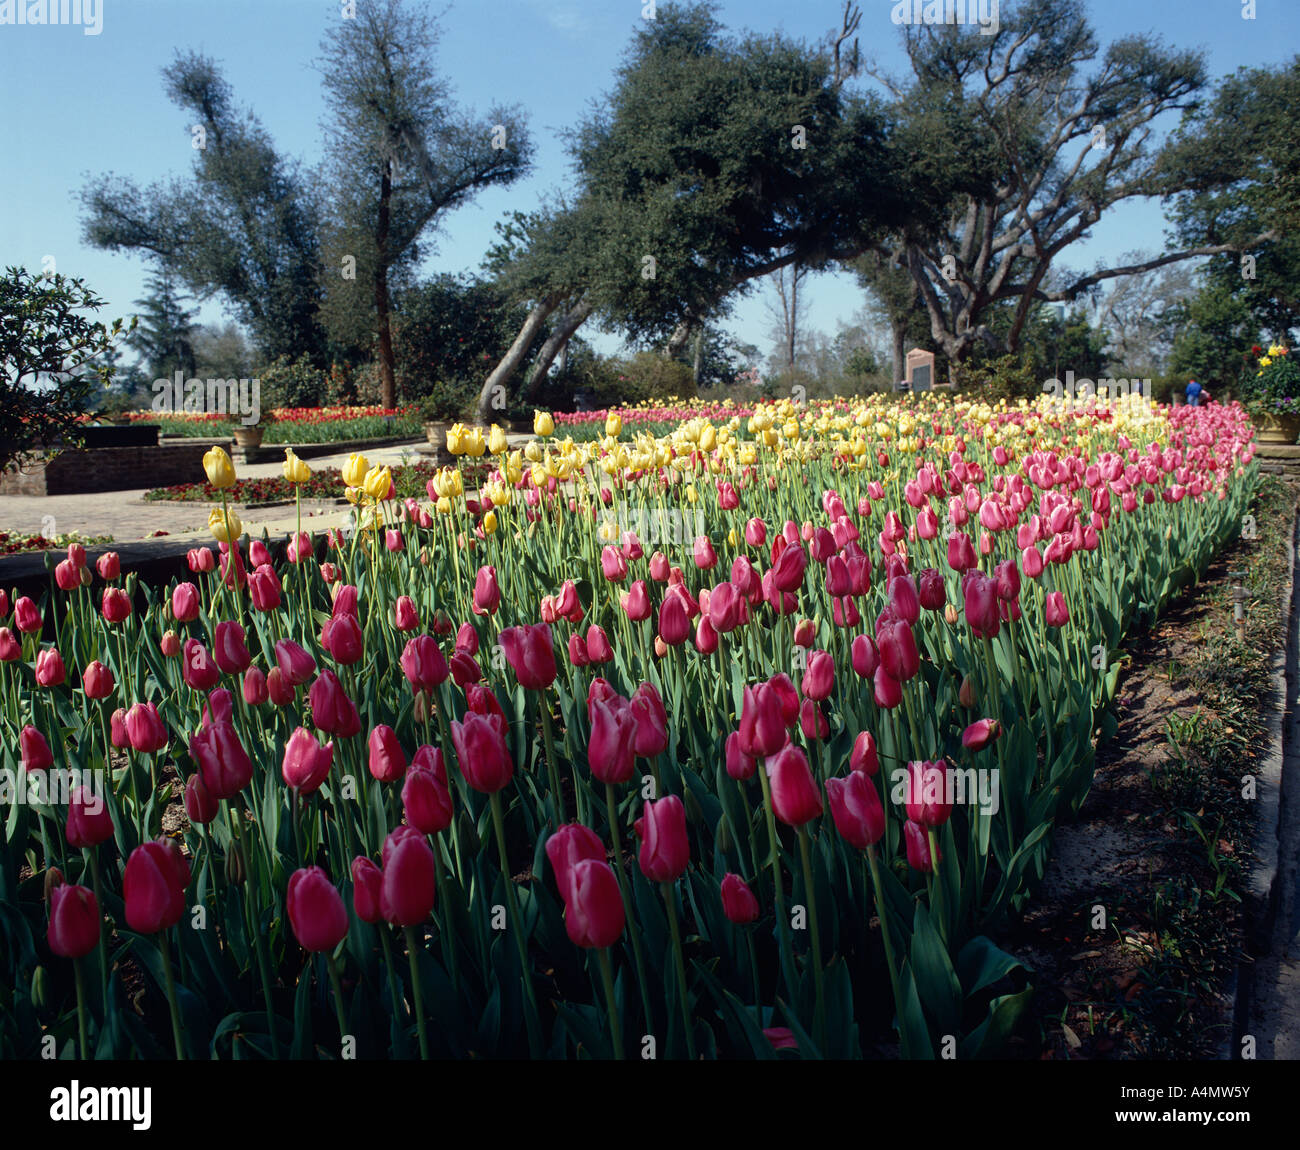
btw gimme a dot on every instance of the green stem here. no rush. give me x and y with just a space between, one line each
417 993
337 986
887 938
671 902
516 924
171 996
607 977
81 1008
819 1019
611 810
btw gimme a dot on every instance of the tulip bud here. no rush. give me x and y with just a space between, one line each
966 694
738 901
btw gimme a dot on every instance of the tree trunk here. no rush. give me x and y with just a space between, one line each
556 341
699 355
387 361
897 324
677 341
494 387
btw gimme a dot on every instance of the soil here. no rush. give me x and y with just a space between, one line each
1128 850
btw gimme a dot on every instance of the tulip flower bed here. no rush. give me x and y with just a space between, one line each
13 543
296 424
732 743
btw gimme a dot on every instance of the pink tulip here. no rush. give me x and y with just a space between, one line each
738 901
387 759
407 892
33 750
331 709
306 764
50 671
405 616
229 649
97 681
487 592
1056 612
481 752
665 848
317 916
569 845
856 809
795 798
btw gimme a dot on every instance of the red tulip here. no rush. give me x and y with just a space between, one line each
387 759
659 567
481 752
153 886
635 602
738 901
483 702
67 576
665 849
116 605
578 651
393 539
50 671
426 797
278 689
367 886
598 646
1055 610
405 616
407 893
961 552
306 764
762 722
145 729
651 721
464 670
674 621
611 748
27 616
979 734
467 639
89 822
10 649
264 588
927 793
897 645
229 649
117 730
571 844
529 652
1007 578
295 664
788 696
739 765
487 592
423 663
886 690
170 644
75 921
819 678
185 602
200 807
865 656
864 756
613 564
593 912
198 668
918 847
795 798
221 758
787 571
932 593
331 709
34 750
856 809
201 560
1031 560
705 557
981 595
316 911
341 637
97 681
812 721
258 554
756 532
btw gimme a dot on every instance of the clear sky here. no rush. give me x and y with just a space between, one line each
77 105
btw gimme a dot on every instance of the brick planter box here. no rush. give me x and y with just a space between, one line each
109 469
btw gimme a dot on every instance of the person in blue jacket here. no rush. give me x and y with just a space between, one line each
1193 394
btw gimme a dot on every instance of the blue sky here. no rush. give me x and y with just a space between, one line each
77 105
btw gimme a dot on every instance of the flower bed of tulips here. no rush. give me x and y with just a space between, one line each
296 424
730 743
14 543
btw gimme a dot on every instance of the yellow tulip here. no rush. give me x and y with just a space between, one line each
377 482
443 506
352 495
543 424
489 523
220 470
474 443
221 531
613 425
497 442
533 452
708 438
354 470
295 470
456 439
514 468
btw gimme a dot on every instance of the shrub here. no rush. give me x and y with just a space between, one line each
294 383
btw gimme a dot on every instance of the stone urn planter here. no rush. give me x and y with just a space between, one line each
435 431
1272 428
249 436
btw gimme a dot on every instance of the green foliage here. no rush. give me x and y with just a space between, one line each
1273 387
52 359
293 383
